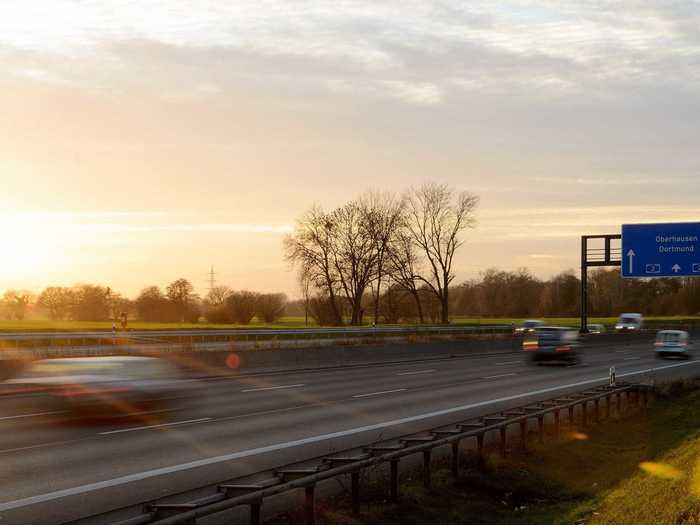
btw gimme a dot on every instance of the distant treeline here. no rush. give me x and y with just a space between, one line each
495 293
178 303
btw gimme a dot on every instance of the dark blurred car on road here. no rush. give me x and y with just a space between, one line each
528 326
119 384
553 344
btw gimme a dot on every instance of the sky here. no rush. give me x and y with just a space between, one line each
143 141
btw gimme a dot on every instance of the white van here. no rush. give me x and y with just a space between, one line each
629 323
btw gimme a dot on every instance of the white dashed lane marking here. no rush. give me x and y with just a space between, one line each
379 393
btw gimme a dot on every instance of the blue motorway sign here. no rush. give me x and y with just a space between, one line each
661 250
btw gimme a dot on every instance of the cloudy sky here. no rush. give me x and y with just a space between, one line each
141 141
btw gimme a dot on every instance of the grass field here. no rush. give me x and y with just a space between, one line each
642 470
37 325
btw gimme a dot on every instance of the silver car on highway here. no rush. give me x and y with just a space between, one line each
674 343
103 384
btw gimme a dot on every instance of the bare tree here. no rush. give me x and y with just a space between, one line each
16 304
354 255
384 217
403 267
56 301
270 306
311 246
305 285
437 216
242 306
182 296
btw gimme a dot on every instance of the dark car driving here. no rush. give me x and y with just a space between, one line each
553 344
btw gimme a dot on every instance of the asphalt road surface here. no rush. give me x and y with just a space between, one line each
56 466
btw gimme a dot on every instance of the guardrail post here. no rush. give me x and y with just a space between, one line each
455 458
619 403
540 428
503 441
309 509
596 403
394 496
645 398
523 433
480 448
355 480
571 416
255 512
584 413
556 424
426 468
607 407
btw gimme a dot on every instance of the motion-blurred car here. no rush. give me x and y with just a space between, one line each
553 344
596 328
629 323
105 384
528 326
673 343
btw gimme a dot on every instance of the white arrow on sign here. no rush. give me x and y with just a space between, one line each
676 268
631 255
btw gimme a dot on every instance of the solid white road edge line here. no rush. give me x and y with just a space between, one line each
509 363
82 489
357 396
262 389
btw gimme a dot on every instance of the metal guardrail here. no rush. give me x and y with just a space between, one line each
148 335
230 495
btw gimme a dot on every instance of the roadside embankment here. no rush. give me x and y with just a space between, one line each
641 469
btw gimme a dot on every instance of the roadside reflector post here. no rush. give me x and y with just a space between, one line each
523 433
503 441
394 496
426 468
540 428
355 481
612 376
255 512
309 509
556 424
455 458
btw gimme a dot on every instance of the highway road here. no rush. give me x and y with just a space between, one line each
56 466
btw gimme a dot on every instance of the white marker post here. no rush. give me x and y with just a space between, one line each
612 376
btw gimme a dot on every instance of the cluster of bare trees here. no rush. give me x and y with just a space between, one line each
223 305
519 294
405 242
178 302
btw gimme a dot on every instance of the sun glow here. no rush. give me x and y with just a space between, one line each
23 247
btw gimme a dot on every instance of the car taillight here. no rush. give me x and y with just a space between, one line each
563 349
530 346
